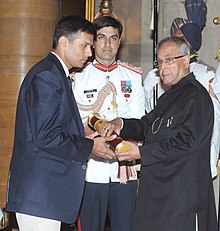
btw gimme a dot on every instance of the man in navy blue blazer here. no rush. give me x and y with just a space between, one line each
48 165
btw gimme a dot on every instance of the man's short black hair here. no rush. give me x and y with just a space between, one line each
107 21
71 25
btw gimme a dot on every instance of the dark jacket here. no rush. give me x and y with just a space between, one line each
175 179
47 171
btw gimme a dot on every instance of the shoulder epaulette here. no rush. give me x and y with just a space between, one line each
130 67
209 68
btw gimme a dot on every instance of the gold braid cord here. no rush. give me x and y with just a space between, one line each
96 106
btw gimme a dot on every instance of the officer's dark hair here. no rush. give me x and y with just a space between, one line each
182 44
71 25
106 21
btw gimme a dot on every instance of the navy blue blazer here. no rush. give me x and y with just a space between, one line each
48 165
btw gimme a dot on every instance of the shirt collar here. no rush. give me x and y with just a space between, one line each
62 63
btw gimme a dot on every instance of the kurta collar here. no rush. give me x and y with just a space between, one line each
184 80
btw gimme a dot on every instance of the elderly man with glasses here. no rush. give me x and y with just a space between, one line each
154 87
175 190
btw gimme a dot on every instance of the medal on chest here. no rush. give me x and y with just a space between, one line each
126 88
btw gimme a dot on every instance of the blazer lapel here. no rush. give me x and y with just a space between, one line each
70 96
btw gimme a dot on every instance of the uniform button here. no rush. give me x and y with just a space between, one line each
84 166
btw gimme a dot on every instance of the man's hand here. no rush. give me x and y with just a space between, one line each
101 148
132 154
88 130
111 127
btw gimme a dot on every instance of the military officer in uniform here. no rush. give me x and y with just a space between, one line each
111 88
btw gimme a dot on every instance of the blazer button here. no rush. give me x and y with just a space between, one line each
84 166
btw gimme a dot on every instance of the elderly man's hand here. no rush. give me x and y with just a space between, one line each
132 154
111 127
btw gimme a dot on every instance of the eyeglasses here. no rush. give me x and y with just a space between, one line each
167 61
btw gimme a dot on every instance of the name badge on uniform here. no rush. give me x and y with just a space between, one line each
89 93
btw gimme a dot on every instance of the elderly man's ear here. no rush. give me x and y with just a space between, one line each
186 61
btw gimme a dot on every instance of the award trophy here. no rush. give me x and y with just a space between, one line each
96 122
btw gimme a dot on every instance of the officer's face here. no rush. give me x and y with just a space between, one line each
106 45
172 70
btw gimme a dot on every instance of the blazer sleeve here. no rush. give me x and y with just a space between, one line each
50 120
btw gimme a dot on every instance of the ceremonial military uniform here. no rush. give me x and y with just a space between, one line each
111 91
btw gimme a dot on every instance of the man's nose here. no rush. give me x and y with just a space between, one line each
89 51
107 42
